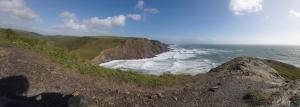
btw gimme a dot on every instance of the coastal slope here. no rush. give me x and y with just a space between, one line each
94 49
134 48
244 81
40 67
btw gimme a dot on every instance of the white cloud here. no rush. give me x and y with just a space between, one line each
141 5
151 10
93 24
17 9
67 14
240 7
294 13
135 17
106 22
267 17
73 25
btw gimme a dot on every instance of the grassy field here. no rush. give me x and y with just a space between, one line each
85 47
60 53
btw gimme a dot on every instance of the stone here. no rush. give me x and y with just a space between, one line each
76 93
159 95
175 98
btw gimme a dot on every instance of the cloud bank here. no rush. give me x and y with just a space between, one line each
240 7
136 17
95 24
17 9
294 13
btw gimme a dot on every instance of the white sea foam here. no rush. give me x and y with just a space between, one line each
176 61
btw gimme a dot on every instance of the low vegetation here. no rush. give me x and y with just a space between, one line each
256 98
85 47
68 59
286 70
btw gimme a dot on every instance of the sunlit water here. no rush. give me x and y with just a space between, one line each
194 59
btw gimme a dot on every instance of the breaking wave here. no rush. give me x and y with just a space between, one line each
176 61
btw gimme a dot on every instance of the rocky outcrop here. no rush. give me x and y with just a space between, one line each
278 90
250 68
133 48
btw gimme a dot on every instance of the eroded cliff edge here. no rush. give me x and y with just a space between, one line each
132 48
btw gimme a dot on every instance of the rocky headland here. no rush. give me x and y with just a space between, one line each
132 48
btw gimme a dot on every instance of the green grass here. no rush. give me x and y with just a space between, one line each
85 47
71 61
286 70
256 98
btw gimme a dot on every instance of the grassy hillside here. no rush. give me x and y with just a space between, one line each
71 61
85 47
286 70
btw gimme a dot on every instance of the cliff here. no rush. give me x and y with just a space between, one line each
95 49
133 48
260 82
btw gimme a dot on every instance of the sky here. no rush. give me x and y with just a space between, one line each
171 21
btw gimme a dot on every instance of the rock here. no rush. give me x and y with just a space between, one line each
77 101
159 95
132 48
76 93
185 89
175 98
151 97
117 91
213 89
136 105
138 94
127 92
110 103
38 98
295 101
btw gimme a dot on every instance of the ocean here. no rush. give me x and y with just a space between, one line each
195 59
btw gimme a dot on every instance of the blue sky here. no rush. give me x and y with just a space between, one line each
172 21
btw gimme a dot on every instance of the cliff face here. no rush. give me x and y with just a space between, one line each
133 48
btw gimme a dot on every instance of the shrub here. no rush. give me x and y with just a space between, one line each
256 98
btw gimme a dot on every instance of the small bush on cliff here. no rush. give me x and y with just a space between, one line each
256 98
